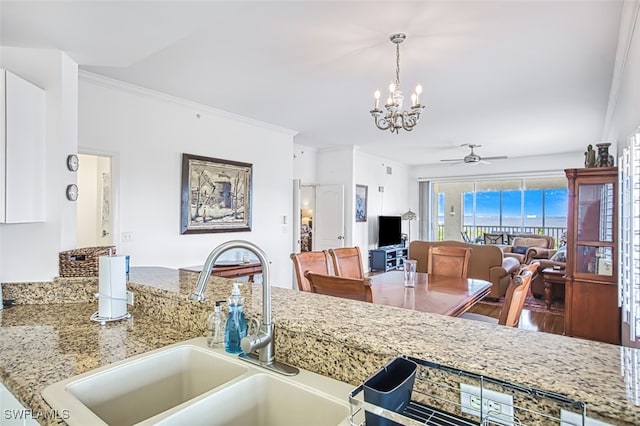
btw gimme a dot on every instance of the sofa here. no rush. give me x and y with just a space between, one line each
487 262
526 247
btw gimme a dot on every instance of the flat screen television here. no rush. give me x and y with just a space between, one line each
389 231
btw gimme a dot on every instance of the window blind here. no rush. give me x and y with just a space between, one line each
629 230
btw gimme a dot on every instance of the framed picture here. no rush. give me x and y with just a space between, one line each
361 203
216 195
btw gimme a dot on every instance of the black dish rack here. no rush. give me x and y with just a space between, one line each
439 390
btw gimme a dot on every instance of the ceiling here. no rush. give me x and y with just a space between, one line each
518 77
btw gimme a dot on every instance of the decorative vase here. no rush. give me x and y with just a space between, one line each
604 158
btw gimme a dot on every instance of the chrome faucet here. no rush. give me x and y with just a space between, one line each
262 339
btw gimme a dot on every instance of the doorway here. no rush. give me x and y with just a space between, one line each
95 201
319 217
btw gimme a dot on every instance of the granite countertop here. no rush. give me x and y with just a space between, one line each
347 340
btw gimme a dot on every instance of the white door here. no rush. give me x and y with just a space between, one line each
95 201
328 219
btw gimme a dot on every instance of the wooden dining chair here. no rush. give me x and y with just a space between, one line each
348 288
315 261
513 304
448 261
347 262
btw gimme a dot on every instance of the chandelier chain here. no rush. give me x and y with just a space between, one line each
398 66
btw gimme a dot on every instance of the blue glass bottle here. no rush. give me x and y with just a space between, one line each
236 327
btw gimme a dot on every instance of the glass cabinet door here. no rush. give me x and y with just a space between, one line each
594 260
595 212
595 229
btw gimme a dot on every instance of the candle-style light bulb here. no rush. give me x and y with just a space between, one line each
414 97
418 92
376 95
392 88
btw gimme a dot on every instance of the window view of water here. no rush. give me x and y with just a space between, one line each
529 208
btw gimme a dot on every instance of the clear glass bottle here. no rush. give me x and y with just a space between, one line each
215 327
236 327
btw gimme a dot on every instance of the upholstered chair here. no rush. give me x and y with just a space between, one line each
526 247
558 260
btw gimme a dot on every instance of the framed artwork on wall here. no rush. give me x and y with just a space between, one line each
215 195
361 203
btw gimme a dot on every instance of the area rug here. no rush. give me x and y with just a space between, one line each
533 304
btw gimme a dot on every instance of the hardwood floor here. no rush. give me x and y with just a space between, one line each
546 322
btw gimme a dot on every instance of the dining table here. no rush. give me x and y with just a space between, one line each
436 294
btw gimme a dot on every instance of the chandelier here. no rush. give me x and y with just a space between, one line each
394 118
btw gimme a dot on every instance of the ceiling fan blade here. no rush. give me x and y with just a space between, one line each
500 157
457 159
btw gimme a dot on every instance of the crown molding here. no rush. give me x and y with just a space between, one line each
139 90
628 21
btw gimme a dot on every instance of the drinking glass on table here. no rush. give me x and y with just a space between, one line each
410 272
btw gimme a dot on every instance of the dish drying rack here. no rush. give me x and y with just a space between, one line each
437 395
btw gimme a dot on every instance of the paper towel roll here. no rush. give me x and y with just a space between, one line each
112 286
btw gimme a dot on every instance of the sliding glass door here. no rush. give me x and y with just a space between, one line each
467 210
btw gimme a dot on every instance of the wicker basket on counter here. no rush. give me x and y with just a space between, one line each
82 262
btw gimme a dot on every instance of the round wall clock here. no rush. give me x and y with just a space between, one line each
72 162
72 192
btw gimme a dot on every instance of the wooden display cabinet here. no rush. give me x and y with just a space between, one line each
591 279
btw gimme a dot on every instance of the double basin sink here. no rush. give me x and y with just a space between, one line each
189 383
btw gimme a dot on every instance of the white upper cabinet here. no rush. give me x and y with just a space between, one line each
22 150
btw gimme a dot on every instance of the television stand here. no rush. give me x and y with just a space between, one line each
388 258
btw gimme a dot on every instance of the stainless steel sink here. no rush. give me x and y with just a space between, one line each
189 383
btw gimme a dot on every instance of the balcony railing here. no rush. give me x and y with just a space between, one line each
475 233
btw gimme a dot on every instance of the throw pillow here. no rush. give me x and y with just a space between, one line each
520 249
560 255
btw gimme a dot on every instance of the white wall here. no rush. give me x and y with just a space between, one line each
371 170
304 164
147 132
626 113
29 252
517 166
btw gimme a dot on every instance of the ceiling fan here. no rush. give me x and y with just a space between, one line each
473 158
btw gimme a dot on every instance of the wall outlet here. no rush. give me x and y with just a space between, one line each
495 406
129 298
127 237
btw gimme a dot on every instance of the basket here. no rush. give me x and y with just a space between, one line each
82 262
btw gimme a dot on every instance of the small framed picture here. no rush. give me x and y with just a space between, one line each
361 203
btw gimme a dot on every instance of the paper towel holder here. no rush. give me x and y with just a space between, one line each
104 320
112 307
